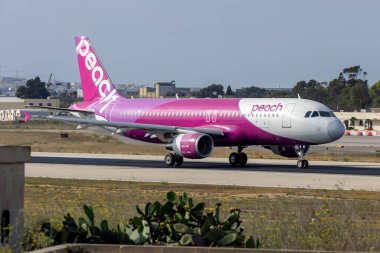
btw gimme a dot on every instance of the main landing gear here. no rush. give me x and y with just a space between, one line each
302 163
173 160
238 159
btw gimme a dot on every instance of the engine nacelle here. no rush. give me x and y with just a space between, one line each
289 151
193 145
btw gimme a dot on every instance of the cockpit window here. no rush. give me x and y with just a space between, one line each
315 114
307 115
324 114
332 114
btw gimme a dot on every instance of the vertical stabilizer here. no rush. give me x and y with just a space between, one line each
96 83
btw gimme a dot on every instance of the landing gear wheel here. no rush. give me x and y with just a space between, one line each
302 164
243 158
178 160
234 159
170 159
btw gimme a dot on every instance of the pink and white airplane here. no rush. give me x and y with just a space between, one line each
191 128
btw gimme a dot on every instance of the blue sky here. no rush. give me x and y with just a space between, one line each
238 42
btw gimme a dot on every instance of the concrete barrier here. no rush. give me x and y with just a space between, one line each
12 173
361 133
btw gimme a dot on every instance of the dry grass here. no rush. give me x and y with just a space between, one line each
282 218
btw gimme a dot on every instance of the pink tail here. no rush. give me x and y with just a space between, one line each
26 117
96 83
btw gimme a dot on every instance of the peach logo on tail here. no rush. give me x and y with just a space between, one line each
97 72
267 108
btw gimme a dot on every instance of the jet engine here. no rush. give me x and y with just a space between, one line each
289 151
193 145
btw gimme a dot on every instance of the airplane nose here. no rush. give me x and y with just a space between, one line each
335 129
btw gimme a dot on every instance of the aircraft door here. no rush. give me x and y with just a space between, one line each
287 117
211 116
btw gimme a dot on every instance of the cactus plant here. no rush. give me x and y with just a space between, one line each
179 221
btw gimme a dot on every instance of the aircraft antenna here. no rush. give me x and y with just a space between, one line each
299 97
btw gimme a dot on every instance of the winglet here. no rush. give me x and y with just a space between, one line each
26 117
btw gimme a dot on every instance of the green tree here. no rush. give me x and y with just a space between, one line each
229 91
33 88
277 94
310 90
374 91
352 73
299 88
359 96
213 91
335 92
252 92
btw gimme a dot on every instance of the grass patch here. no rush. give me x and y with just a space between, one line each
282 218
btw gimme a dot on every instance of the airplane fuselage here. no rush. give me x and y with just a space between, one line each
247 121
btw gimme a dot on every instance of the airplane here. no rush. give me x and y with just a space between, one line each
192 127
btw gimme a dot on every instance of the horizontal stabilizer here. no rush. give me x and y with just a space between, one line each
60 109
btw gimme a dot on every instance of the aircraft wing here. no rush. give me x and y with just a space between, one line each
130 126
60 109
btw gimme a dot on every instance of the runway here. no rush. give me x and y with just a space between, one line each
213 171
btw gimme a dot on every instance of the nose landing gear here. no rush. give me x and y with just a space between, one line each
302 163
238 159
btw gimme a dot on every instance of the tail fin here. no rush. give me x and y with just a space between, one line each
96 83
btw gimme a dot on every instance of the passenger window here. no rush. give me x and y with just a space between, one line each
307 115
315 114
324 114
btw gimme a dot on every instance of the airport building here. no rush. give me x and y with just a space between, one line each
42 102
11 107
163 89
360 120
7 103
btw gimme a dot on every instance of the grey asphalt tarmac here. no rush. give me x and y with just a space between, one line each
258 172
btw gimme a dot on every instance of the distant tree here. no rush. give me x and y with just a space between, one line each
347 92
277 94
213 91
229 91
352 72
359 96
374 91
33 88
252 92
310 90
21 92
299 88
336 90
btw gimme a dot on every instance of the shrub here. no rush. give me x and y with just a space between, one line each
179 221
